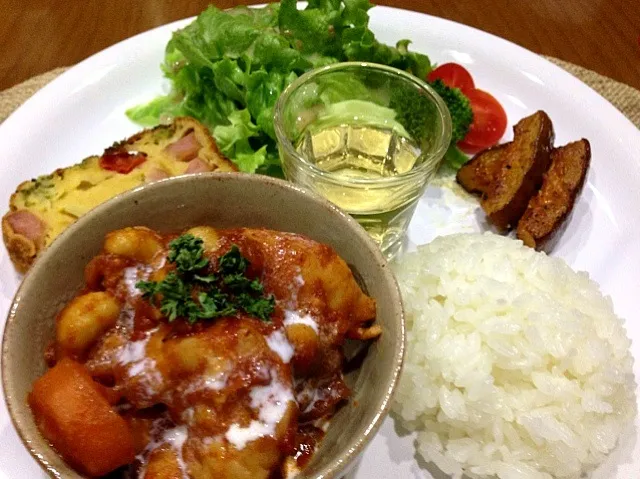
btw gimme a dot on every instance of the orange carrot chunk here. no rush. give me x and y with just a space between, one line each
79 422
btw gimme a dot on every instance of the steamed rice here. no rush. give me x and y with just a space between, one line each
516 365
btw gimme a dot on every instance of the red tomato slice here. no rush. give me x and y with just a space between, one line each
489 121
454 76
470 149
121 161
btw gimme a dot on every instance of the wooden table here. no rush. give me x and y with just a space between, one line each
602 35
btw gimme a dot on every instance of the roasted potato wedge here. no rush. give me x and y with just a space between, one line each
520 171
547 213
478 173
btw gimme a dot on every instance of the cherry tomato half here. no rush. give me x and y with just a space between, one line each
489 122
454 76
468 148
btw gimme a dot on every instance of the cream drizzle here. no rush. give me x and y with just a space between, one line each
279 344
294 317
271 402
132 355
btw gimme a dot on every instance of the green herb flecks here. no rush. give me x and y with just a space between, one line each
194 292
187 253
41 188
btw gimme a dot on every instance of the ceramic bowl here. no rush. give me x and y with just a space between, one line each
221 200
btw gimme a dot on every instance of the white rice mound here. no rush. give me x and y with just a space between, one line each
516 366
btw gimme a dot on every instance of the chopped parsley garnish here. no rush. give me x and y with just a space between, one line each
187 253
195 291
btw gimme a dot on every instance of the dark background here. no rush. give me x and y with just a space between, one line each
602 35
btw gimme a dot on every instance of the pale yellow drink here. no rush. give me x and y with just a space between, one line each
367 153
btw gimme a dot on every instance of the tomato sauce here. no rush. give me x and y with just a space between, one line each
230 397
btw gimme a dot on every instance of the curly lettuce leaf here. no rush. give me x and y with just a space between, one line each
228 68
264 88
150 113
217 34
250 161
367 113
234 137
314 30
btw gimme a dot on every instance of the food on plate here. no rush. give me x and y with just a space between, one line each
42 208
229 67
213 353
107 442
548 210
478 174
454 76
459 109
550 181
519 172
487 120
516 365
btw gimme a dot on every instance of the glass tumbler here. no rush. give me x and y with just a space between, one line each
368 138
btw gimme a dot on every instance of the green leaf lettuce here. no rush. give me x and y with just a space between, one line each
228 68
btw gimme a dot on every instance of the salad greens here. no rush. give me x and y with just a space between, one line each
228 68
368 112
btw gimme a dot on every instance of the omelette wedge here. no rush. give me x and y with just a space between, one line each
42 208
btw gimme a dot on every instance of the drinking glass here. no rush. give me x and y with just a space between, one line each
367 137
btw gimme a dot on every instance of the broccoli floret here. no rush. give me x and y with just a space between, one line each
459 108
417 114
413 111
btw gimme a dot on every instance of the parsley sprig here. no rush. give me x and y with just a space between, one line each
187 252
194 291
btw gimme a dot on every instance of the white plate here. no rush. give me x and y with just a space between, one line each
82 111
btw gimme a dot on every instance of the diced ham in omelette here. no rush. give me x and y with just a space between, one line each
40 209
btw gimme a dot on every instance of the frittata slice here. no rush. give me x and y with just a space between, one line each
42 208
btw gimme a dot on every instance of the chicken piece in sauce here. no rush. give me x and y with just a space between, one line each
235 396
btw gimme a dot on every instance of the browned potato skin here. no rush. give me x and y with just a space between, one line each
520 171
548 211
478 173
